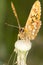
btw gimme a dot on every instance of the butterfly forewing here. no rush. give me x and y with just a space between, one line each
33 23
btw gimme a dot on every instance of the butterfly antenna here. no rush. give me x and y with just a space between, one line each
11 25
14 11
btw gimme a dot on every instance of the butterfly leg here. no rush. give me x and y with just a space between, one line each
18 37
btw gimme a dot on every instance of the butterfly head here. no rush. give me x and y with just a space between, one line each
21 30
21 34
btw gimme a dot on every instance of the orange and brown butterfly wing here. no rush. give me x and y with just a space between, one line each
33 23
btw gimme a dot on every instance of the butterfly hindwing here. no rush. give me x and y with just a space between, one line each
33 23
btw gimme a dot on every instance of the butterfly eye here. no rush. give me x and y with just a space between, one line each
21 30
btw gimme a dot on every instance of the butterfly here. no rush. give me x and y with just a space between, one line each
33 23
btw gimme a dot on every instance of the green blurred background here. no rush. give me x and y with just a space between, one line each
8 35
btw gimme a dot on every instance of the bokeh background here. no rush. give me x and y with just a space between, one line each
8 35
